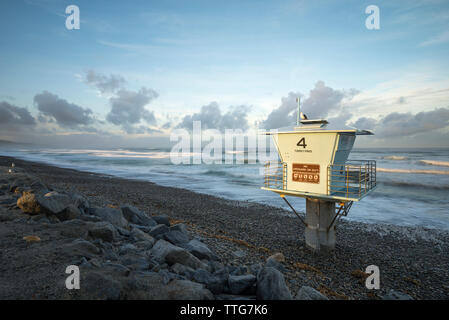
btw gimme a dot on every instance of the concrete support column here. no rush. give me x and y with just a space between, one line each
319 215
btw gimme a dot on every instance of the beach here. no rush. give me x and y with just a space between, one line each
412 260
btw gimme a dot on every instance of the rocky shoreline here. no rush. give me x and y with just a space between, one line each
138 240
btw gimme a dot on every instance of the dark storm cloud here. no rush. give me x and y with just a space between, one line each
407 124
66 114
11 115
211 118
128 109
321 102
106 84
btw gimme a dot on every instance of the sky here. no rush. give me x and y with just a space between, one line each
137 70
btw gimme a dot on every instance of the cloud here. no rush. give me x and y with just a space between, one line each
11 115
106 84
128 109
322 100
396 124
68 115
211 118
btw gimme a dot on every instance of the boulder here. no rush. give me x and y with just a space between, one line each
271 285
151 286
158 230
200 250
164 251
180 227
309 293
80 247
135 216
163 219
212 282
111 215
139 235
69 213
240 284
176 237
98 285
104 231
182 270
273 263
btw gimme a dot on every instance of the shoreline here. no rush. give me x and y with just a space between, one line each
412 260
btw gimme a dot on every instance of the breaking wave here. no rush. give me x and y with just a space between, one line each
435 163
413 171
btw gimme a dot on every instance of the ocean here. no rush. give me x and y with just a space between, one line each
413 184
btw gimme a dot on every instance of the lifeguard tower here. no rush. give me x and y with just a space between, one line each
313 164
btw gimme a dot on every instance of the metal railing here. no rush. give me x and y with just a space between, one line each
275 175
352 179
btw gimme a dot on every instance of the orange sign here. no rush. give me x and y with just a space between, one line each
309 173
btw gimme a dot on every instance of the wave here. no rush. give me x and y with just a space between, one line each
413 185
413 171
395 158
435 163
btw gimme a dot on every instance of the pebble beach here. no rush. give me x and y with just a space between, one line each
413 261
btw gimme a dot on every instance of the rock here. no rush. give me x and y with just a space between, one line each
212 282
138 235
200 250
396 295
124 232
69 213
80 247
28 203
135 216
164 251
278 256
182 270
163 219
271 285
239 271
80 202
98 285
255 268
275 264
54 202
180 227
176 237
309 293
91 218
145 244
240 284
104 231
127 248
116 268
136 263
151 286
111 215
160 229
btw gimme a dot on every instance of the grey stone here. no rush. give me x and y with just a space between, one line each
80 247
180 227
200 250
160 229
151 286
111 215
80 202
275 264
139 235
127 248
396 295
255 268
212 282
135 216
309 293
116 268
182 270
97 285
162 219
136 263
240 284
271 285
239 254
176 237
69 213
104 231
164 251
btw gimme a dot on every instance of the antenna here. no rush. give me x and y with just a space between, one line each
299 111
